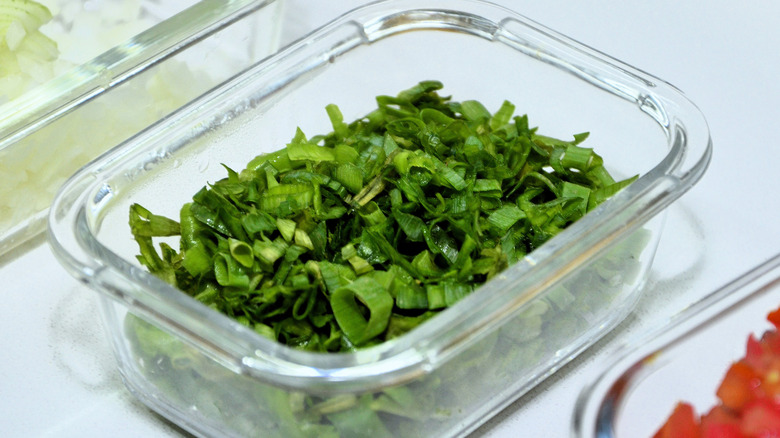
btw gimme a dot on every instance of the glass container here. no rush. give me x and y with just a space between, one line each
683 361
215 377
99 71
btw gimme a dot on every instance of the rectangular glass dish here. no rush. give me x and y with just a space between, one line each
215 377
684 361
99 71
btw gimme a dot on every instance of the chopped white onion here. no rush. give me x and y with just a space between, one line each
32 170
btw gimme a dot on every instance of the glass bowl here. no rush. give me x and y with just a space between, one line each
216 377
683 361
101 70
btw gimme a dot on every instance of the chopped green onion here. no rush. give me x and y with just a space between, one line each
350 176
356 327
344 240
242 252
286 228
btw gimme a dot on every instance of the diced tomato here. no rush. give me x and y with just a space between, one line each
761 417
720 415
756 355
774 318
771 339
749 396
681 424
770 381
720 422
738 386
721 431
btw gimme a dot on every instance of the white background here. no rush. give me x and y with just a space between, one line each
57 374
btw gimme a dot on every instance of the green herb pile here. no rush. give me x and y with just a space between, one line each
345 240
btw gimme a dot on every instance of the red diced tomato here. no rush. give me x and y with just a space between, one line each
681 424
720 422
770 381
756 354
749 396
761 417
721 431
774 318
720 415
737 387
771 340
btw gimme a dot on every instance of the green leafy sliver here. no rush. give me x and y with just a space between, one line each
347 239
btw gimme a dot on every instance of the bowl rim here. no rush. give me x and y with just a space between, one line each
433 343
598 403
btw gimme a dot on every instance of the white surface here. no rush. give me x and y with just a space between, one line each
58 375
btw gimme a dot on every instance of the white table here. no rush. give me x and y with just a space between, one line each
58 374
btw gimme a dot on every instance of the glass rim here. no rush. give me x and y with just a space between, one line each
598 404
55 98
